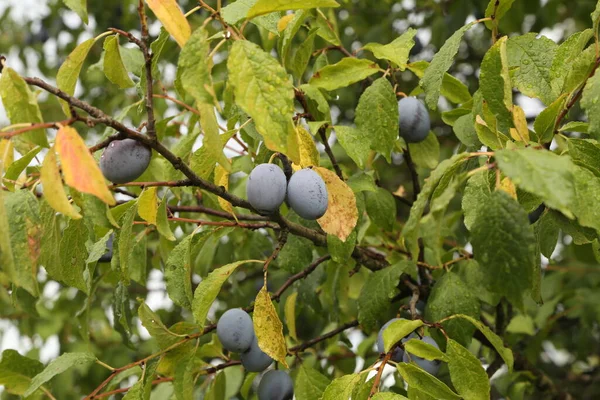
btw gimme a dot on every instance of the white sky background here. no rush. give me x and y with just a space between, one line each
34 10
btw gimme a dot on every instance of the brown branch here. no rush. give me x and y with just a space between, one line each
300 275
318 339
217 213
34 126
377 380
413 173
145 47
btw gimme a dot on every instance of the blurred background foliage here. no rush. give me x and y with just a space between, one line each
561 339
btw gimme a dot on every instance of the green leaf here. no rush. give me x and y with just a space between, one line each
16 371
494 339
381 208
566 55
73 255
545 122
388 396
397 51
209 288
237 11
467 374
575 126
450 296
126 240
521 324
21 105
263 90
586 154
14 170
341 251
142 388
80 8
441 63
540 172
114 69
422 381
426 154
504 244
212 139
58 366
317 103
464 129
68 73
530 59
162 221
355 142
296 254
302 55
378 290
498 9
288 35
410 232
19 246
346 72
494 82
342 388
289 310
193 69
398 330
591 103
152 322
310 384
585 208
452 89
98 249
377 117
268 6
424 350
477 193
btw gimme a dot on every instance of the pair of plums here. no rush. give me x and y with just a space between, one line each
306 191
235 331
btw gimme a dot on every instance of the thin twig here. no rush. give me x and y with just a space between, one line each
150 128
318 339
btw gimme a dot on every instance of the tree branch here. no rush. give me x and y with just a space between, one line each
318 339
145 47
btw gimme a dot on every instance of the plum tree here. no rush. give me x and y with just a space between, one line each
235 330
414 120
431 366
276 385
124 160
266 188
398 352
254 359
307 194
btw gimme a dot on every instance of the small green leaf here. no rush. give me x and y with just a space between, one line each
497 9
80 8
162 221
14 170
494 83
310 384
494 339
58 366
68 73
126 241
467 373
591 103
426 154
16 371
452 89
114 69
381 208
152 322
268 6
377 117
388 396
355 142
193 68
209 288
424 350
422 381
433 78
342 388
546 120
398 330
346 72
586 154
21 105
397 51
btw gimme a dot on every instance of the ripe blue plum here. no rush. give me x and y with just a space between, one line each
307 194
235 330
414 120
266 188
254 359
276 385
398 352
124 160
432 366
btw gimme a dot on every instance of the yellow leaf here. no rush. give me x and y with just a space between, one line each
309 155
284 21
520 121
6 153
342 214
54 192
222 179
290 314
148 205
268 327
172 18
79 167
508 186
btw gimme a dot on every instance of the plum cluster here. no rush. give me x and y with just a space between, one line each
306 191
399 354
236 333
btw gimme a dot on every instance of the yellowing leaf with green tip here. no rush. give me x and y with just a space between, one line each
148 205
54 192
172 18
268 328
79 167
342 215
